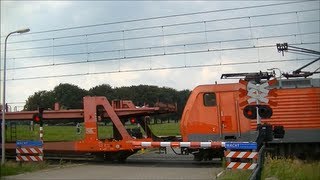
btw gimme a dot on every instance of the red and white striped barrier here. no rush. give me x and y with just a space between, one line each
177 144
29 150
239 154
209 144
29 158
240 165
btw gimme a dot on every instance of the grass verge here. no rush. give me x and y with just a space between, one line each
14 168
281 169
291 169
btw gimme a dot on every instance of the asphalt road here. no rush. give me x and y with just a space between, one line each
149 165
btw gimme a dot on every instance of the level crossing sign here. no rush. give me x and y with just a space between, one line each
257 93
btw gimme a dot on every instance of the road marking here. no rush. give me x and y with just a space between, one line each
220 173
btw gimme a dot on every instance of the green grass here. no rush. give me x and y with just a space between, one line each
281 169
69 133
291 169
166 129
13 168
51 133
236 175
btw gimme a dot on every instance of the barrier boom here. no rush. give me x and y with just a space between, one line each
213 144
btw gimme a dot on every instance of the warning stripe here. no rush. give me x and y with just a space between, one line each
29 150
241 154
243 93
240 165
29 158
272 82
241 81
178 144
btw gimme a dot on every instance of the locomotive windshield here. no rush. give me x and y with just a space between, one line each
209 99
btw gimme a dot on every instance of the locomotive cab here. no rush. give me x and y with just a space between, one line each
212 113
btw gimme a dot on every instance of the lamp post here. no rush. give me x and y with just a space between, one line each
3 152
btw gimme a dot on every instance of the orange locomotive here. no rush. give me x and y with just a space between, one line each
214 113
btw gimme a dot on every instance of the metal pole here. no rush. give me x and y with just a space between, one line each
4 102
257 109
0 79
3 152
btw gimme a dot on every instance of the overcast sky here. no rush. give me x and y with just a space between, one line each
166 46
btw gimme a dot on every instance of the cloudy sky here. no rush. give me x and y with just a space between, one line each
177 44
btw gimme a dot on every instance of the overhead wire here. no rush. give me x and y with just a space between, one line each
155 36
154 69
160 26
153 47
152 55
167 16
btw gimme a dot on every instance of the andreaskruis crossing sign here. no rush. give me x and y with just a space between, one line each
257 92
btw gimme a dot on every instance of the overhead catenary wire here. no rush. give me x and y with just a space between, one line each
150 55
168 54
161 35
161 26
164 17
155 69
154 36
155 47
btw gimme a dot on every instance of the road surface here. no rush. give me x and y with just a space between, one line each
148 165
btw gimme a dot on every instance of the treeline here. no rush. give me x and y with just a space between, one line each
71 96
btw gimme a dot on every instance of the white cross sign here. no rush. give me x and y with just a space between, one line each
257 92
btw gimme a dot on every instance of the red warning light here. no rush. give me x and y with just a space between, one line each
36 118
250 112
133 120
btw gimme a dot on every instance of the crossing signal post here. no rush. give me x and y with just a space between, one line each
257 93
257 107
38 119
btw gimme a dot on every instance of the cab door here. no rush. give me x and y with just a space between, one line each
228 115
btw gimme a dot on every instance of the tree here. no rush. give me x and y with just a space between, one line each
69 96
43 99
102 90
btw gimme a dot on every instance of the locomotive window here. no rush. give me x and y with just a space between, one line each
209 99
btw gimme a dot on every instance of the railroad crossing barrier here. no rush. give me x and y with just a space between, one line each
29 151
241 157
210 144
245 157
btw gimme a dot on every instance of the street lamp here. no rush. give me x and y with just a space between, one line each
4 94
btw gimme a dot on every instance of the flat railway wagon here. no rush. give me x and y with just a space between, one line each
96 110
214 113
